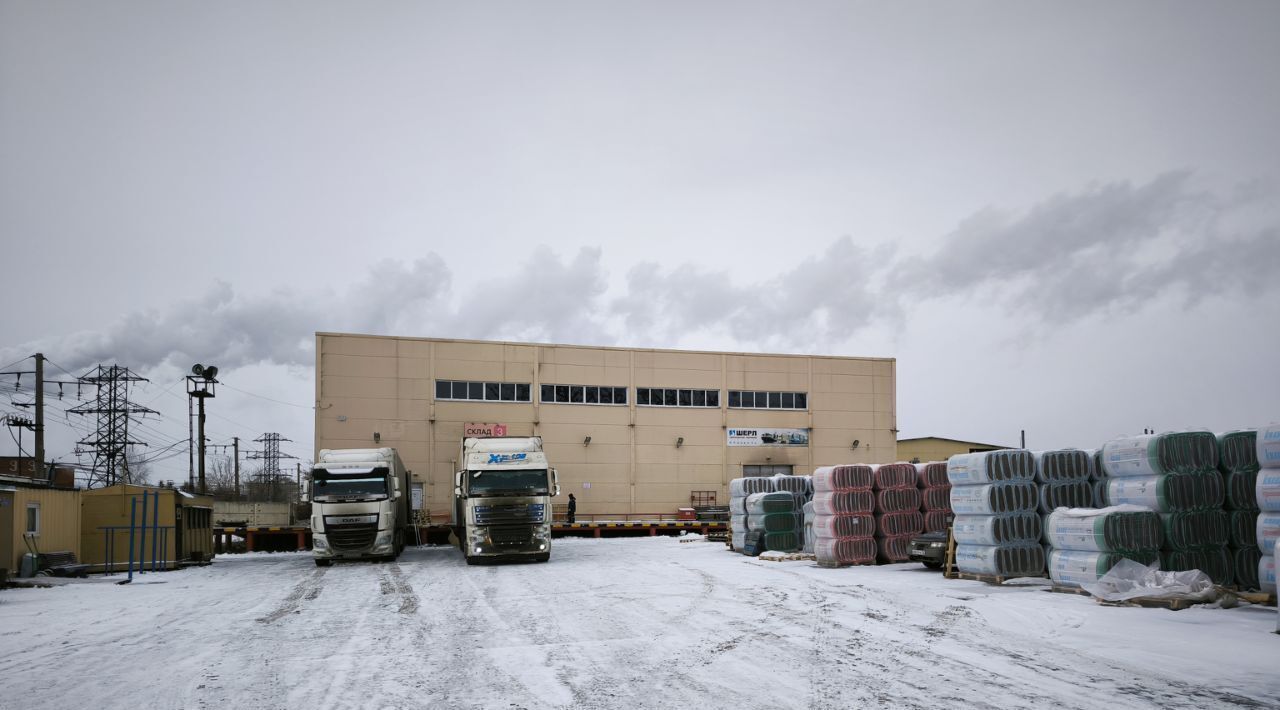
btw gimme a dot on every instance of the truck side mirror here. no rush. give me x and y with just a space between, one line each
304 493
395 487
555 480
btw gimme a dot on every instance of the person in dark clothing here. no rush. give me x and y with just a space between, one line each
573 507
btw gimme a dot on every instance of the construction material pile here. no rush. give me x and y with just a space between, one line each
1238 464
739 490
935 495
773 516
843 525
801 489
1085 543
1063 479
897 513
994 498
1175 474
1267 490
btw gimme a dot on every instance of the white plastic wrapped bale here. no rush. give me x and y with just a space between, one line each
774 514
1267 489
801 489
1085 543
843 524
809 516
1063 477
994 498
739 489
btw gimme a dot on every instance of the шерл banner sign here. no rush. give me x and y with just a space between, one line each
768 437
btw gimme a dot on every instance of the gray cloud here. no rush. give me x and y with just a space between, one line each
1109 248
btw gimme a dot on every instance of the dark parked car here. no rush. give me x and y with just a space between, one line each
929 548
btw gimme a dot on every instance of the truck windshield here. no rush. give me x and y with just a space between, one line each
361 485
530 482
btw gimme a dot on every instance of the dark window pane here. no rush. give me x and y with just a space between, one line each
508 390
562 393
575 394
686 398
470 390
762 400
592 394
459 390
669 398
619 395
606 395
522 393
802 400
492 392
713 398
775 400
642 395
735 398
788 400
444 389
748 399
548 393
699 398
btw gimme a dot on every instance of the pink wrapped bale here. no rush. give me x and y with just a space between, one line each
842 478
897 500
893 475
843 551
844 526
835 503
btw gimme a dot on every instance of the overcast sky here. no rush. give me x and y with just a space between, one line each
1057 217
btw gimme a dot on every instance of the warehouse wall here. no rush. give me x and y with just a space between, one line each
367 384
59 522
935 449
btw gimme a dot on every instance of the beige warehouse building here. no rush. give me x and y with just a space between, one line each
629 430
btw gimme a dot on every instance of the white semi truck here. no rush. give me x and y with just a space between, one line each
502 499
360 505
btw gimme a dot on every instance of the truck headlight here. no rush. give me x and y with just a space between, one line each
383 542
935 544
319 543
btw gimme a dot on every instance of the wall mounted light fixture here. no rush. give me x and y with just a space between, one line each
855 444
377 437
586 441
679 441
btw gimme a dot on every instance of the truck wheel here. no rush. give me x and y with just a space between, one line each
545 557
323 563
472 560
933 565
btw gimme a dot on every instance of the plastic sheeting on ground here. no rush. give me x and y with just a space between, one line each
1131 580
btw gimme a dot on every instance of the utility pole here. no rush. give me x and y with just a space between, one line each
235 447
39 414
200 386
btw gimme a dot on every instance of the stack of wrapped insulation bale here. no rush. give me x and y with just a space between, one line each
739 489
1176 475
801 489
898 516
935 495
774 515
1238 464
1268 493
843 526
1098 478
1085 543
809 537
996 529
1063 479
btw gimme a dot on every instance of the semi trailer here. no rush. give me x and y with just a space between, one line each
360 505
502 499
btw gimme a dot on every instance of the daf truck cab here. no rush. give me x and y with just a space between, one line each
502 499
360 505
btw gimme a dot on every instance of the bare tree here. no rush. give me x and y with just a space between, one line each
220 477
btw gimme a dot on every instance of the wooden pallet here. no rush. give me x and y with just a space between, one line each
789 557
996 579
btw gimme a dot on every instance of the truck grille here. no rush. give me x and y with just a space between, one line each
515 535
351 537
523 513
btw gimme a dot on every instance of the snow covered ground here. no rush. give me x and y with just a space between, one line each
622 623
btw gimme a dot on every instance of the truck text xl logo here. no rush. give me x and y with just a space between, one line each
507 458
